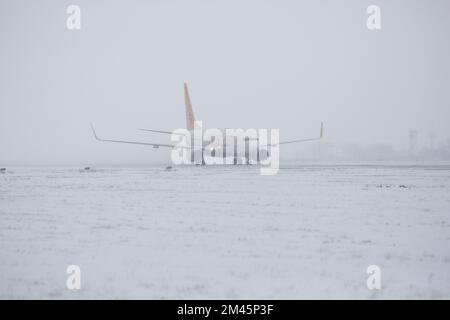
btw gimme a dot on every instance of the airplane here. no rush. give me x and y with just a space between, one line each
215 147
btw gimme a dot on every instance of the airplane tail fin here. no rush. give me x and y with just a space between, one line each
190 118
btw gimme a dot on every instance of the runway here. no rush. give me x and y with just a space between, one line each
200 232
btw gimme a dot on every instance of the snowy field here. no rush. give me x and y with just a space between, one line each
226 232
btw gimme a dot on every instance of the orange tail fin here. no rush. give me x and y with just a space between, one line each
190 118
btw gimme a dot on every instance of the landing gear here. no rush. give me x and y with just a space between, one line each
247 150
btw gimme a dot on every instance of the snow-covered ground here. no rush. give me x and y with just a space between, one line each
226 232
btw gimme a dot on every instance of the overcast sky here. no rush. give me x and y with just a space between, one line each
252 64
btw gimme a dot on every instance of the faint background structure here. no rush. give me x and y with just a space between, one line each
262 64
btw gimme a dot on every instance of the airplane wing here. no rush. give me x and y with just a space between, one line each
154 145
302 140
162 131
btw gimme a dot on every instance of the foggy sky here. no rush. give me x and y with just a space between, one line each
251 64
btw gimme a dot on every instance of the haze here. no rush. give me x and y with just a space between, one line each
251 64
